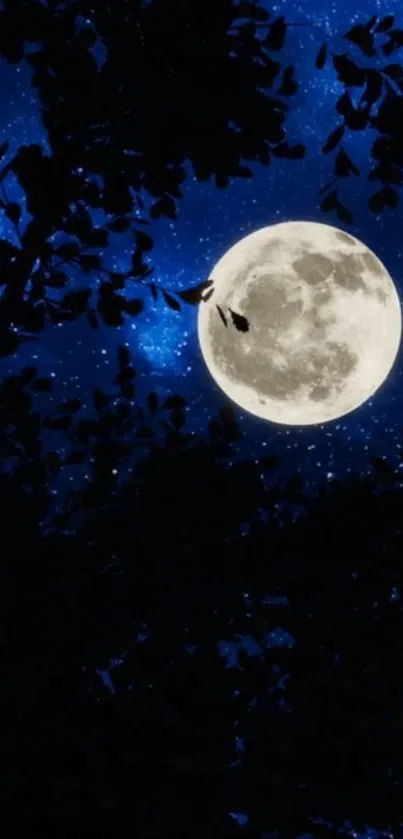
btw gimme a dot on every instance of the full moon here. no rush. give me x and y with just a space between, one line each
324 323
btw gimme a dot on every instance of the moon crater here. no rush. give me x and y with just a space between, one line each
324 323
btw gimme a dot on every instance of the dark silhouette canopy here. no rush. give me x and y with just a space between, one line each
177 85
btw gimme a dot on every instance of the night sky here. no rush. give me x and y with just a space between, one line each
164 343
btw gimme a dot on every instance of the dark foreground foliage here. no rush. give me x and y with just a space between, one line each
135 95
154 577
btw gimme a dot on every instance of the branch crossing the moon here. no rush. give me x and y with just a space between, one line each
240 322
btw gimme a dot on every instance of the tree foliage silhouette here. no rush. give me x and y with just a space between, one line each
376 39
177 86
147 585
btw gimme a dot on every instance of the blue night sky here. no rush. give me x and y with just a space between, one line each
164 343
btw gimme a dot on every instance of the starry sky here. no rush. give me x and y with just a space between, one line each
164 343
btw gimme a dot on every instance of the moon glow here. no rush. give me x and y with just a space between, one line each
324 323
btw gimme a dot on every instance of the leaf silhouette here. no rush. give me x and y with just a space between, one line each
321 57
77 301
344 166
165 206
13 211
110 306
373 90
343 213
371 23
4 149
363 39
117 280
288 85
386 197
275 38
171 302
349 73
344 105
395 72
194 295
118 225
387 173
397 35
395 41
389 47
357 119
330 202
222 316
385 24
143 241
333 139
133 307
154 291
207 296
239 321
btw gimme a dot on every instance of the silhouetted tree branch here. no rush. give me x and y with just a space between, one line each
137 118
134 122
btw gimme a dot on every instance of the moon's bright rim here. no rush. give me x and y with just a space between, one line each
325 323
